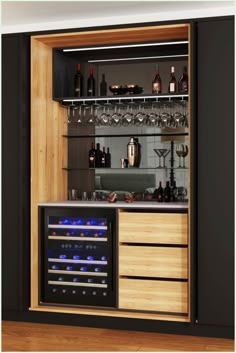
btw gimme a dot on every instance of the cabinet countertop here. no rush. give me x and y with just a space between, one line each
119 204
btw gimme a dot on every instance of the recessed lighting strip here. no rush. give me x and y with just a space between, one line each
126 46
139 58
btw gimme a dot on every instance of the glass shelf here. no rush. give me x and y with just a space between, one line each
128 169
126 135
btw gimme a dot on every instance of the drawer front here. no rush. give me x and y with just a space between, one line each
146 261
157 228
164 296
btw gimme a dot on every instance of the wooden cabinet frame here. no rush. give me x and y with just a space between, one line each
49 123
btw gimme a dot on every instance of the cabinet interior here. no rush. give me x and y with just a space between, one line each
52 73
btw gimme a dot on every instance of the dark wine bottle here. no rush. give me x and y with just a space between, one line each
173 83
98 156
91 84
156 83
92 156
183 81
159 193
103 158
167 192
78 83
108 158
103 86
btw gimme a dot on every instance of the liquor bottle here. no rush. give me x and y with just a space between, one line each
160 193
98 156
137 164
78 83
91 84
167 192
173 83
183 81
103 86
92 156
108 158
156 83
103 158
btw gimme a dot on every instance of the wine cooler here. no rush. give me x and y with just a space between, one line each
78 256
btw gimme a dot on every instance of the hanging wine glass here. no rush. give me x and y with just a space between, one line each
71 113
128 117
140 116
116 116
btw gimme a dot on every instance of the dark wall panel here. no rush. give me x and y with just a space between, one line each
215 130
15 171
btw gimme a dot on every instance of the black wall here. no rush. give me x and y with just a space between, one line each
215 171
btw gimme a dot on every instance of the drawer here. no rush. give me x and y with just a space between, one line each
164 296
147 261
157 228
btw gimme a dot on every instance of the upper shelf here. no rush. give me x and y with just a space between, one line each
120 98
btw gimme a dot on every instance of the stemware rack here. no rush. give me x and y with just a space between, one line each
122 98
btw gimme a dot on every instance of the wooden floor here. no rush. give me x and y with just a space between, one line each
28 337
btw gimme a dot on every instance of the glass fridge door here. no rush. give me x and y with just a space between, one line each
78 266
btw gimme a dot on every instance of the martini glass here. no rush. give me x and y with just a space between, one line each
162 154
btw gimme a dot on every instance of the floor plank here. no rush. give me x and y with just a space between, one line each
29 337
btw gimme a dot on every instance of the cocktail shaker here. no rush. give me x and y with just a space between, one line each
133 152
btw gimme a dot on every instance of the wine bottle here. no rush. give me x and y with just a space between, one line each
183 81
160 193
92 156
103 158
167 192
108 158
173 83
78 83
91 84
156 83
103 86
98 156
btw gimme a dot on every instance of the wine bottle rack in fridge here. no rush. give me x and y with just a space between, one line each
78 256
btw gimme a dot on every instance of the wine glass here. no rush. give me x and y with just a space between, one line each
71 113
180 153
140 116
116 116
184 154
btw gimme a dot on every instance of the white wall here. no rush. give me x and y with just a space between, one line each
27 16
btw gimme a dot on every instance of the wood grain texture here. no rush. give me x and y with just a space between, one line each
116 36
157 228
31 337
48 147
113 313
165 296
163 262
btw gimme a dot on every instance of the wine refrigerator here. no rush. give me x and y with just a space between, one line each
78 256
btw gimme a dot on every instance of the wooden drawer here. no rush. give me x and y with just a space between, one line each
147 261
165 296
157 228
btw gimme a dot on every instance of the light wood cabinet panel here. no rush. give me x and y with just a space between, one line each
157 228
164 296
149 261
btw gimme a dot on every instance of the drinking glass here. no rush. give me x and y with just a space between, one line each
180 152
71 113
162 154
